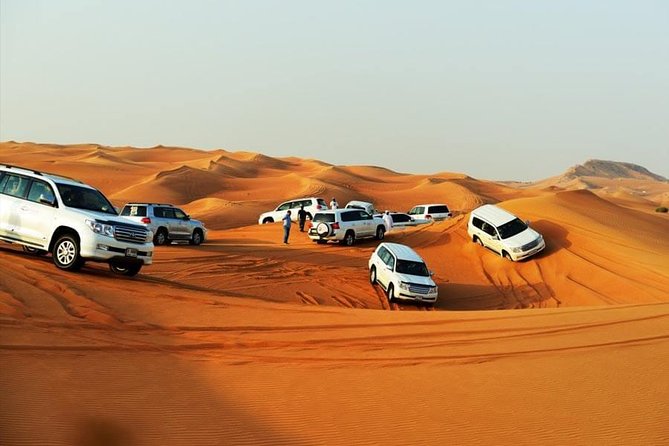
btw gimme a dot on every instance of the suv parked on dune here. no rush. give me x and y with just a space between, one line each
504 233
75 222
311 205
345 226
402 274
434 212
167 222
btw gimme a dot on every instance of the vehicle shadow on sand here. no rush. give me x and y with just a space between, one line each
468 297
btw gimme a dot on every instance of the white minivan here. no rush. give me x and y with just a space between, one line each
504 233
402 273
311 205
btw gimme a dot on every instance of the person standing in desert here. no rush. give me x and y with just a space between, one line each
387 221
334 204
302 217
286 226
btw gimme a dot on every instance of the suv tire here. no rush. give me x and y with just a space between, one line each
268 220
65 253
196 238
391 293
349 238
380 233
372 275
160 238
129 271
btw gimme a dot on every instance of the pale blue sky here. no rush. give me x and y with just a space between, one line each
496 89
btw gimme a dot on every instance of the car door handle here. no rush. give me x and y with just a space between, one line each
24 208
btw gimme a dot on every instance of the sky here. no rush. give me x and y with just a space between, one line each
497 89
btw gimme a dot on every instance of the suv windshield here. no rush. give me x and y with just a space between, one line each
412 268
328 218
515 226
85 198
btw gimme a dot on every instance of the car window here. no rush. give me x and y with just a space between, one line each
158 212
305 203
178 213
328 218
16 186
417 210
41 191
489 229
85 198
3 180
412 268
349 216
168 213
390 261
322 202
134 211
477 222
284 206
400 218
441 209
383 254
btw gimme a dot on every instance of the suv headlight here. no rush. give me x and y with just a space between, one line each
432 290
517 249
101 228
404 286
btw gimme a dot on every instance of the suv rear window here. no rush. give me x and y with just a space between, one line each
328 218
16 186
134 211
438 210
322 202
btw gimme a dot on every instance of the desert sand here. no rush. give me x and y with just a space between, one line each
246 341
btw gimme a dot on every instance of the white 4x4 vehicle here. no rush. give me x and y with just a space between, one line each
345 226
75 222
168 223
311 205
427 212
402 274
504 233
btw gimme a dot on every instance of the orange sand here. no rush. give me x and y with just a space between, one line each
245 341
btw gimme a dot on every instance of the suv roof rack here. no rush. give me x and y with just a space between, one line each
150 204
40 173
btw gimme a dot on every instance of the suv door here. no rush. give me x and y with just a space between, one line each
13 194
182 223
366 222
491 237
38 213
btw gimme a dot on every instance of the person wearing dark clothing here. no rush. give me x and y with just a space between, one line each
302 217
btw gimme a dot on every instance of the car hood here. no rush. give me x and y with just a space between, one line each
197 223
420 280
522 238
104 218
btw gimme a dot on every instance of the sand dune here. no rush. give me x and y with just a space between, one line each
246 341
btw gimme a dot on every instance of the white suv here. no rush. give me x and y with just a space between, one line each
168 223
311 205
427 212
402 274
345 226
503 233
75 222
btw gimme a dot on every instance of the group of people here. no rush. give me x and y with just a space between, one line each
302 219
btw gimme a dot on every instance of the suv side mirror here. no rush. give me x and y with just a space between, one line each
51 202
187 217
431 273
527 222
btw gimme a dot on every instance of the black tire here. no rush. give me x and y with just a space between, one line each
321 242
507 256
196 238
34 251
65 253
380 233
268 220
125 270
349 238
477 240
161 237
372 275
391 293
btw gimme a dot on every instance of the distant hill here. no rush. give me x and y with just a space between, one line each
611 169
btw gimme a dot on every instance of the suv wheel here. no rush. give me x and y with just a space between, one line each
268 220
130 270
478 240
391 293
507 256
349 238
160 238
380 233
66 253
196 239
372 275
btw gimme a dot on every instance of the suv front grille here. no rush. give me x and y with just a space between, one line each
131 234
419 289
